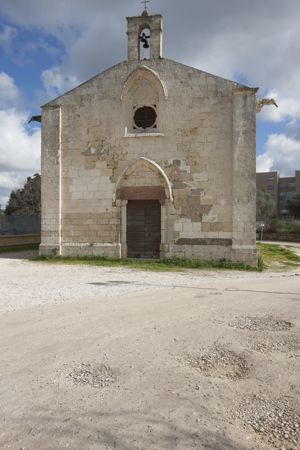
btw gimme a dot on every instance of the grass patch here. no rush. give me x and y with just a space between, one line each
276 257
18 248
270 257
168 264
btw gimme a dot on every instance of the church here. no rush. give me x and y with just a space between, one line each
150 159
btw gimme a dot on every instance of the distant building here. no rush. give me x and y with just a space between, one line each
281 189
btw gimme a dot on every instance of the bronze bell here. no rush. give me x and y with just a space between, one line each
146 45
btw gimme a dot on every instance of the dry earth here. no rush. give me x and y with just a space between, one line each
111 358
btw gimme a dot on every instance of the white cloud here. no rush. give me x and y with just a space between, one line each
19 151
9 93
19 148
19 145
6 37
288 108
282 153
257 39
56 83
7 180
61 14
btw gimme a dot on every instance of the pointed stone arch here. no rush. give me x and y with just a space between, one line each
152 164
144 72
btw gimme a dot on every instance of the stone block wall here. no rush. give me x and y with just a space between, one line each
204 149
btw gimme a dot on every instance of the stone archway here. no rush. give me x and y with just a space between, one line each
144 192
133 167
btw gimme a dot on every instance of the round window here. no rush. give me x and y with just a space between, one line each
145 117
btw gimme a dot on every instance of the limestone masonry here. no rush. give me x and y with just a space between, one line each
151 158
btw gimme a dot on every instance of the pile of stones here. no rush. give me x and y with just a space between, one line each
282 345
276 421
95 375
267 323
218 362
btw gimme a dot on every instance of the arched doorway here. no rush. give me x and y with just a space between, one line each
144 192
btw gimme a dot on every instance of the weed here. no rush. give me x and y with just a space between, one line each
275 257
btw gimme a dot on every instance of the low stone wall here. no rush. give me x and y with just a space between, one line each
18 240
281 237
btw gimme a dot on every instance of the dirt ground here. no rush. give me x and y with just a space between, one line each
112 358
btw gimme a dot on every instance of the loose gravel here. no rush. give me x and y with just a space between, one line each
266 323
277 422
219 363
26 284
95 375
288 345
85 335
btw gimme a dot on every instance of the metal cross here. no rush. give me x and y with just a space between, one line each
145 3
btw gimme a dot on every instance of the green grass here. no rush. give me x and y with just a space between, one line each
18 248
276 257
270 257
171 264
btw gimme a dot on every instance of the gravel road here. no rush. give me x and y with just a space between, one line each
113 358
26 283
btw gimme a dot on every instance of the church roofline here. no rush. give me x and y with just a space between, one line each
238 86
81 84
241 88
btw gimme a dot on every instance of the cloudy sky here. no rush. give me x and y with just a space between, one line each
49 46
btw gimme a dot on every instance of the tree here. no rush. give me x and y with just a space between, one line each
293 206
27 200
265 206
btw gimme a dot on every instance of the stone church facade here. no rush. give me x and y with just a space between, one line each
150 159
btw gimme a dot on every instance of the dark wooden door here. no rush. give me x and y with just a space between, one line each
143 228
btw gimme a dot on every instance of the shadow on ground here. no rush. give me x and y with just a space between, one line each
24 254
127 430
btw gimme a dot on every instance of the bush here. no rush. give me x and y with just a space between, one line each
284 226
293 206
26 201
265 207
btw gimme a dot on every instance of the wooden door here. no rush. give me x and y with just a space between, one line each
143 229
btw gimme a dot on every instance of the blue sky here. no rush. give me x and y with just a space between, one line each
48 47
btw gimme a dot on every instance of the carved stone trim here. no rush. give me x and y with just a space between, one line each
146 70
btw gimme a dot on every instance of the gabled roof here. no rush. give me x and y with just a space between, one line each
139 64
